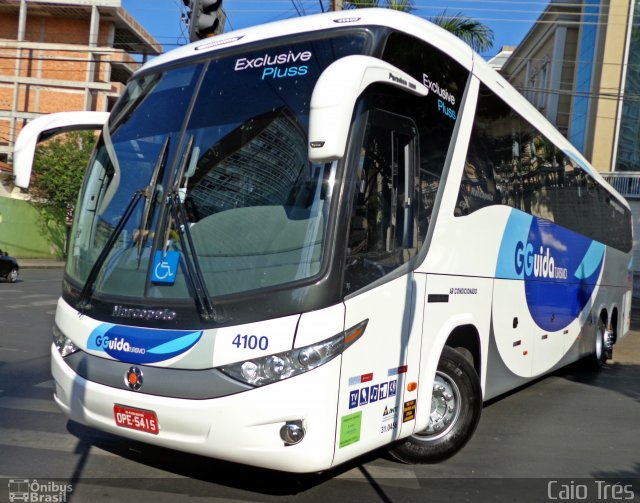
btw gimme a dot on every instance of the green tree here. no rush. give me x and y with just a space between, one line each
478 35
58 169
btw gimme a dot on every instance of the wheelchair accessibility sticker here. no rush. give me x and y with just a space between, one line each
164 270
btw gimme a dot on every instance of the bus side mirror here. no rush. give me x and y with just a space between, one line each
44 127
334 98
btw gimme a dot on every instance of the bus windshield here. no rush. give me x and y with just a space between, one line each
235 128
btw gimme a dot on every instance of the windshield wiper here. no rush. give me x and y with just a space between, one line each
194 272
87 290
152 194
147 192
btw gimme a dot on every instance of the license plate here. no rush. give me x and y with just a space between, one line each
136 419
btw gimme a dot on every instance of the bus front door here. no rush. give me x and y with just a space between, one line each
374 405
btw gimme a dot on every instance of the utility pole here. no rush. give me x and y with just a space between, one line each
336 4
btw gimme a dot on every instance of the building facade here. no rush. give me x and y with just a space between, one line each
580 66
628 148
64 55
573 66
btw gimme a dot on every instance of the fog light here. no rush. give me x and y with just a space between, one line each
292 432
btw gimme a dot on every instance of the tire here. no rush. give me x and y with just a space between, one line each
12 277
598 357
456 382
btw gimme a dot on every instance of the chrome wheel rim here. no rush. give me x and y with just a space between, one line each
445 407
13 275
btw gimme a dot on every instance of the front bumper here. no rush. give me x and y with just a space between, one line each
243 428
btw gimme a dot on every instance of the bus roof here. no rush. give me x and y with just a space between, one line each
401 21
407 23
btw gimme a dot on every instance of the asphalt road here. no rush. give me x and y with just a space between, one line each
569 436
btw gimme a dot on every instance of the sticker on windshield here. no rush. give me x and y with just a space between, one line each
165 269
277 66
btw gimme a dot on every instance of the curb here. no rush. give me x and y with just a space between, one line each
41 264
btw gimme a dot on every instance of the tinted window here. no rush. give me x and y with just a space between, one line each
400 162
382 231
510 162
436 113
234 130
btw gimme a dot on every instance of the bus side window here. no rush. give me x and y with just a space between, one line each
510 162
382 230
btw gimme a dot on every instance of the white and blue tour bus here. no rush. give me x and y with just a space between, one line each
299 242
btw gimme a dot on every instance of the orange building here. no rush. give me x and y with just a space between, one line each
64 55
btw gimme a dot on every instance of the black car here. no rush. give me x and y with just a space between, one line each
9 267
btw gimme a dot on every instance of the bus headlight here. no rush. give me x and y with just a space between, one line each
273 368
64 345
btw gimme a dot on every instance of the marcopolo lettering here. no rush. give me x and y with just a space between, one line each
143 314
217 43
399 80
538 265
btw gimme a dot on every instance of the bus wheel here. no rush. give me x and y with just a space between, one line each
456 404
598 357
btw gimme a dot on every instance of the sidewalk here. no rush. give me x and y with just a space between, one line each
38 263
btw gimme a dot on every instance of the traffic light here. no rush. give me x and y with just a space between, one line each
206 18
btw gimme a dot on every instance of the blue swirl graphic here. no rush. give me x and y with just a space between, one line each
559 268
141 345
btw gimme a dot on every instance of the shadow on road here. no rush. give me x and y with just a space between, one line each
622 378
621 476
621 375
201 471
238 481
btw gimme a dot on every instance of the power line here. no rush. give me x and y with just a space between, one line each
68 60
108 60
540 3
300 10
613 96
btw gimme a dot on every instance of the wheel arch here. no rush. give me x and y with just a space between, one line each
466 340
459 331
603 315
456 408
